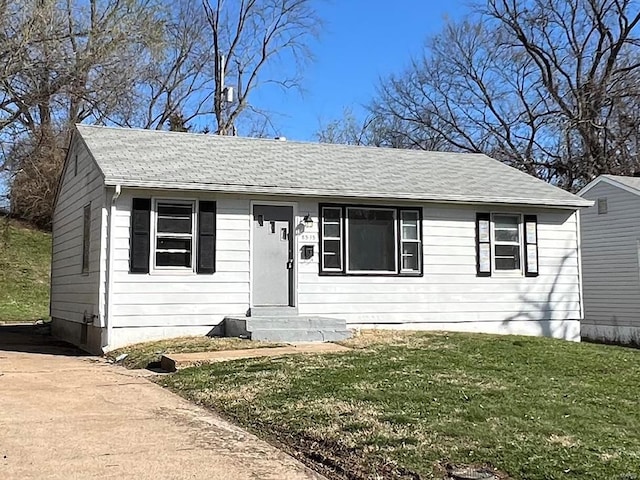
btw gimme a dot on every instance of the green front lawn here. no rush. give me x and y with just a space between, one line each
403 405
25 260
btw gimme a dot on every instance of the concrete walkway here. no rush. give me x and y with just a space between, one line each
67 416
176 361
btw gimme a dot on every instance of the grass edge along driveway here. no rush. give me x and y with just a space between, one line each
402 405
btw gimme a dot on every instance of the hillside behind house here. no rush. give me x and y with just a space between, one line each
25 259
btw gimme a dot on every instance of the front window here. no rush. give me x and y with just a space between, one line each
507 242
174 234
373 240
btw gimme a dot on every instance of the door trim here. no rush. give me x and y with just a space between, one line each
294 219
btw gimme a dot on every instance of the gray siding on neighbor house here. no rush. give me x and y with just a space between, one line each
75 294
610 247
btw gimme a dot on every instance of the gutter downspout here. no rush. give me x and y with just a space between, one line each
110 262
581 292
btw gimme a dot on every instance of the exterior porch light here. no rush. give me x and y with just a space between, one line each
308 221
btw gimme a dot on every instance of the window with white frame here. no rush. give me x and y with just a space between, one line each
174 229
332 239
363 240
410 240
507 242
173 235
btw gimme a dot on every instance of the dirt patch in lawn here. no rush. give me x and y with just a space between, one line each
336 460
407 339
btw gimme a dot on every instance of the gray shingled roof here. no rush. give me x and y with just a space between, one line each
159 159
631 182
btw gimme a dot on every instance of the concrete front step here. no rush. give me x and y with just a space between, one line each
273 312
287 328
321 323
292 336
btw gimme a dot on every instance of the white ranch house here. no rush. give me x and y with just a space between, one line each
161 234
611 260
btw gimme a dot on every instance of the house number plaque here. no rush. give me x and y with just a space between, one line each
309 237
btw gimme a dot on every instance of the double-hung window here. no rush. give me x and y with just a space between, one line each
172 235
363 240
507 246
506 243
332 239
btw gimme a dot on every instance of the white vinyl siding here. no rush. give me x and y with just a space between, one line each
610 259
75 288
174 300
450 295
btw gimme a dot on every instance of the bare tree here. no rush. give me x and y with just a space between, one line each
548 86
346 130
379 130
178 83
248 36
143 63
67 61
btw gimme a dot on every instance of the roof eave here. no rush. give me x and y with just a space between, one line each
306 192
611 181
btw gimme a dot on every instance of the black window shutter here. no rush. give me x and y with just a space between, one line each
140 235
483 244
206 237
531 245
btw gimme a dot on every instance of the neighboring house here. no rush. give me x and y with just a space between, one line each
159 234
610 260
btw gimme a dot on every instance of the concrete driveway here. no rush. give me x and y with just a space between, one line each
69 416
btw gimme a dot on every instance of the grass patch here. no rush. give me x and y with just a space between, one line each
25 260
141 355
404 404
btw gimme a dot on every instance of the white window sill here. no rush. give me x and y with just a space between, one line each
172 272
507 273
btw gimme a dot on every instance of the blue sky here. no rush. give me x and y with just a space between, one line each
363 40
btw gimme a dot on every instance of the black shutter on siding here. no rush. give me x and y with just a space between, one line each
483 244
140 232
531 245
206 237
